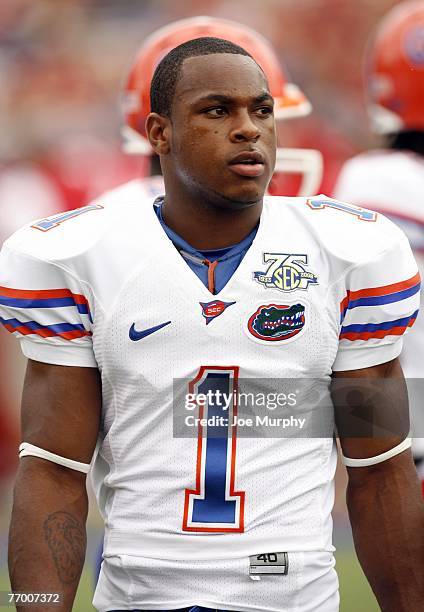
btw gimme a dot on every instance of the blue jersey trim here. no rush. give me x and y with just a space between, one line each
228 258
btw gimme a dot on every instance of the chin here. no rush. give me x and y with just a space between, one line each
235 197
244 199
240 197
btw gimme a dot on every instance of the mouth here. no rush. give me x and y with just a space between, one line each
248 163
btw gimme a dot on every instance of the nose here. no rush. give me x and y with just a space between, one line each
244 128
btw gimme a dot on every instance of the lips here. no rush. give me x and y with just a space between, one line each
248 163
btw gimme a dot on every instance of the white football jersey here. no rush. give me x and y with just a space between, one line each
324 287
392 182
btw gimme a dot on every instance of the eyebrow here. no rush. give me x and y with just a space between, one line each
265 96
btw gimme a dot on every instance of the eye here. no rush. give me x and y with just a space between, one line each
265 111
216 111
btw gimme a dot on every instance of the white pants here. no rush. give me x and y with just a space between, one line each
127 583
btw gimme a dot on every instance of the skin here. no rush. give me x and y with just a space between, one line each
210 207
384 501
217 113
47 539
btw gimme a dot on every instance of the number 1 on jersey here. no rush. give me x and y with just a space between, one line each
362 214
214 505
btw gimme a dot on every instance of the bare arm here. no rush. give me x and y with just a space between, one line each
384 500
47 540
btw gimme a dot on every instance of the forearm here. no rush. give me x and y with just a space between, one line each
47 538
387 516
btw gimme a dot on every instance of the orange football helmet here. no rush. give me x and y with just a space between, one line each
395 70
289 99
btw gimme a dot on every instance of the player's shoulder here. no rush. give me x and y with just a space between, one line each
387 180
342 229
73 233
380 164
324 211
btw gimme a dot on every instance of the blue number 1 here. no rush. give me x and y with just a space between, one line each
50 222
362 213
214 505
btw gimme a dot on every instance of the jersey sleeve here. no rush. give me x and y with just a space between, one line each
47 308
380 304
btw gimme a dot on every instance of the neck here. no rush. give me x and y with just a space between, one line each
207 226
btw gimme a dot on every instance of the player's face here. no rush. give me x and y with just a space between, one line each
223 139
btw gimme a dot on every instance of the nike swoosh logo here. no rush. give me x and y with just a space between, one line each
138 335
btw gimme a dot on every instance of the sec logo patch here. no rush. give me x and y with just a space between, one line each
285 272
211 310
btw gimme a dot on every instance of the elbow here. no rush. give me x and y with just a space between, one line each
41 483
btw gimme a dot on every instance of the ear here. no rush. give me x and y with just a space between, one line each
158 130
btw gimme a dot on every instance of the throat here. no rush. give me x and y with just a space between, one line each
208 229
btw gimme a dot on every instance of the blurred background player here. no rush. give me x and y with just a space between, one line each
390 179
305 165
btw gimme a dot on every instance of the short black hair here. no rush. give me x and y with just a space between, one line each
167 72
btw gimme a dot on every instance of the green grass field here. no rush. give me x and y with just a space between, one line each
354 591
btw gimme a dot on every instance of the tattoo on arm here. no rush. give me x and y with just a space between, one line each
66 539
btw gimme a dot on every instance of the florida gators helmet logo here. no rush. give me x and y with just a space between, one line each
275 322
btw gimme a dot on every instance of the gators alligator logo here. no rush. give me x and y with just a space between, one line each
275 322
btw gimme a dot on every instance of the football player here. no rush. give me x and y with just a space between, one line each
305 165
391 179
122 306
